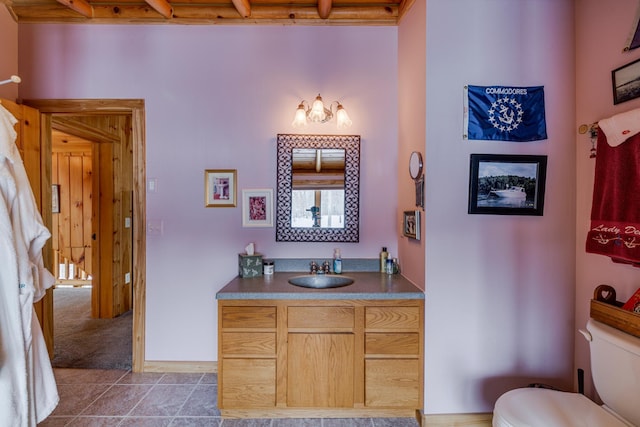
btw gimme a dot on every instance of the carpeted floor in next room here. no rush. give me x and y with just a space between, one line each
83 342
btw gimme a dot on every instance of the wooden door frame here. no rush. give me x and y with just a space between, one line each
134 108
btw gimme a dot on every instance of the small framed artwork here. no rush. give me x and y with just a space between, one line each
257 207
411 224
55 198
220 188
503 184
626 82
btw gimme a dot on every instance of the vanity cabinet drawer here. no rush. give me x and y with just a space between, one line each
320 317
392 317
249 317
392 343
249 343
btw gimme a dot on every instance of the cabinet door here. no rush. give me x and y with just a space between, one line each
392 383
248 383
320 370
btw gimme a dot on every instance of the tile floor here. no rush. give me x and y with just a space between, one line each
101 398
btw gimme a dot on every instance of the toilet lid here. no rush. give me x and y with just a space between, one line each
550 408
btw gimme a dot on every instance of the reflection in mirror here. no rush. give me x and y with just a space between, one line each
318 188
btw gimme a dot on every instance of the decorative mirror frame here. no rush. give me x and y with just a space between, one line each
351 230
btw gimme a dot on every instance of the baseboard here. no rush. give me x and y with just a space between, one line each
178 366
457 420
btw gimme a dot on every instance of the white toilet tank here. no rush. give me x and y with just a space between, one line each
615 367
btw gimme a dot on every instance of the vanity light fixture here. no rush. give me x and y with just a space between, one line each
318 113
12 79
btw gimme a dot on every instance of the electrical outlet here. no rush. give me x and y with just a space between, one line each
127 278
155 227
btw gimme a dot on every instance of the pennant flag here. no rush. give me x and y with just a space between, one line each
502 113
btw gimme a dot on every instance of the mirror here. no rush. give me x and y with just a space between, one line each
318 188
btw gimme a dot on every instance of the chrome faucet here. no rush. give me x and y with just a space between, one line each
326 268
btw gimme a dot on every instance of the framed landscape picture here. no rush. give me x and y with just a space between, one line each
503 184
626 82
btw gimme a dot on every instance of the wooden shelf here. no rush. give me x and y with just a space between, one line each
605 309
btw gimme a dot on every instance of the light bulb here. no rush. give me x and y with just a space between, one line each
317 113
300 119
342 118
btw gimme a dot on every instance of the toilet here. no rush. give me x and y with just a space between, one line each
615 367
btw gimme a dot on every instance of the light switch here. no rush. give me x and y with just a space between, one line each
152 185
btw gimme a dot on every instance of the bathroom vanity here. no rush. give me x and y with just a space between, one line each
289 351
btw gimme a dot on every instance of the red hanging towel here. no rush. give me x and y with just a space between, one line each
615 212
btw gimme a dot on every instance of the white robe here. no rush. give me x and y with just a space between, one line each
28 392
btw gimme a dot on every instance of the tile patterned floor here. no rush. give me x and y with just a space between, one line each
105 398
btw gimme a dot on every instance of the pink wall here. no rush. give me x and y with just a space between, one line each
602 29
411 137
499 289
8 53
215 98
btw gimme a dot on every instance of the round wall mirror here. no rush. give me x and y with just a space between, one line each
415 165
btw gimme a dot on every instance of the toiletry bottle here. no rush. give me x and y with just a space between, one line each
389 265
337 262
383 259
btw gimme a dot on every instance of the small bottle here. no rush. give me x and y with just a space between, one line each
337 262
396 266
383 259
389 265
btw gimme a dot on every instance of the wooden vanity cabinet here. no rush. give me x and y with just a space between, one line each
247 368
320 357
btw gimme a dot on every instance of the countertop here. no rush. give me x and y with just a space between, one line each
366 285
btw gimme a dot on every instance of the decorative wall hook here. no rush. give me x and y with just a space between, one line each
592 129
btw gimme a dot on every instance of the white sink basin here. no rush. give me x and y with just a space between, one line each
321 281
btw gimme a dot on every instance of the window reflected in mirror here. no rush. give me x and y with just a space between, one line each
317 183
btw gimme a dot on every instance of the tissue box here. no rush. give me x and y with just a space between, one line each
249 265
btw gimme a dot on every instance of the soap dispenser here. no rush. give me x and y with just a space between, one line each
383 259
337 261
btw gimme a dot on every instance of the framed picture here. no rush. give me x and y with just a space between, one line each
55 198
411 224
257 207
507 184
220 188
626 82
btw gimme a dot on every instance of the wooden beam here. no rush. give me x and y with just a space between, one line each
404 7
243 7
225 15
162 7
80 6
324 8
83 130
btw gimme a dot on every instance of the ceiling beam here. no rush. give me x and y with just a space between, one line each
80 6
80 129
324 8
243 7
404 7
162 7
185 14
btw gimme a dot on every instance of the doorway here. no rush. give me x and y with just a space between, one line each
90 330
115 273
